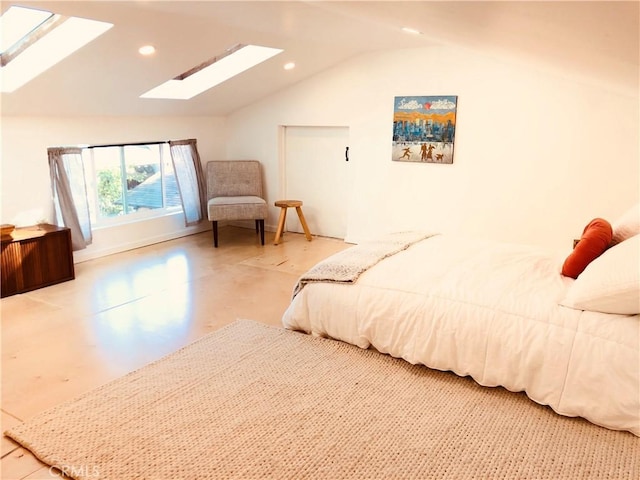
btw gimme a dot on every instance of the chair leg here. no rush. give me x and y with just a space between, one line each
215 233
261 223
303 221
257 227
281 221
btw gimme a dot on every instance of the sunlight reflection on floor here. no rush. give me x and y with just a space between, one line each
154 304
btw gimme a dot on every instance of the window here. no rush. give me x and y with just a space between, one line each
32 40
214 71
130 182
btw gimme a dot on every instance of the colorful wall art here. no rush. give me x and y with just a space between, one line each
424 129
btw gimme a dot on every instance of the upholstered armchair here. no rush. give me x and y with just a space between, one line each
234 192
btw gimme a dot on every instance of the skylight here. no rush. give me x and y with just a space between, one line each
18 22
35 40
212 72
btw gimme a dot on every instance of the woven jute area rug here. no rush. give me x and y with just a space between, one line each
251 401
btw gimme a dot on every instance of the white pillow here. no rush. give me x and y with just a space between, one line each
611 283
626 226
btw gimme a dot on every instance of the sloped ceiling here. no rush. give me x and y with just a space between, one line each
108 75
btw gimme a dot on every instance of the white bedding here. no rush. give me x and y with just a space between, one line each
491 311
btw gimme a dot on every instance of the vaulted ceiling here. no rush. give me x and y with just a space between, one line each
107 76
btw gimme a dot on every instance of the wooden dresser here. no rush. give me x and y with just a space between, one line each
35 257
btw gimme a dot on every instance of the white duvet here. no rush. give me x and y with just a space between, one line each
491 311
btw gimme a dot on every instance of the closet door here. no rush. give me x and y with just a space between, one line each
318 173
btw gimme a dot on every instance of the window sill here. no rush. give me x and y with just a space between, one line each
134 218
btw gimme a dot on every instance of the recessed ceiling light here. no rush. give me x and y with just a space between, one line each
232 62
289 66
147 50
412 31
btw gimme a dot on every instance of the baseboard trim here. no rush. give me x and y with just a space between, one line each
92 254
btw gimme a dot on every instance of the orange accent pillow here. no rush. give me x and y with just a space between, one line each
594 241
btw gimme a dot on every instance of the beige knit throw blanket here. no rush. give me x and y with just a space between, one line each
346 266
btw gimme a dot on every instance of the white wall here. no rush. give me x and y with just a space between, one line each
539 152
26 191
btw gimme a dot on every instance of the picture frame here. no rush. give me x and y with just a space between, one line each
424 128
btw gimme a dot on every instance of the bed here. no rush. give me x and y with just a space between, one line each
501 313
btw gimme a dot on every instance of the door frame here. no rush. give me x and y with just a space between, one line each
282 161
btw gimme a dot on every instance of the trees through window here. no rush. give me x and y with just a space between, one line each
129 181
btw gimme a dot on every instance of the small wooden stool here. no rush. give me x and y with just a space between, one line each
284 204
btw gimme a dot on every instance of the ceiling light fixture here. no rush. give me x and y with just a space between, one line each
42 42
289 66
232 62
147 50
412 31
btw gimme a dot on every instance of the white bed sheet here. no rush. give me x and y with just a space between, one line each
491 311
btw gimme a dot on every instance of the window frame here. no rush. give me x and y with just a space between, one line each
99 221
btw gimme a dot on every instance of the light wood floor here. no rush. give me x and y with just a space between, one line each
126 310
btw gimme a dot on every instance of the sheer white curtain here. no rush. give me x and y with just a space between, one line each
69 190
190 179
